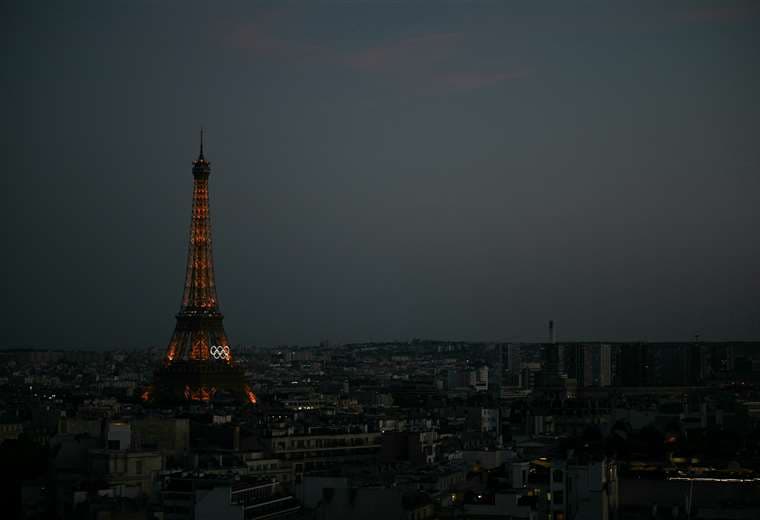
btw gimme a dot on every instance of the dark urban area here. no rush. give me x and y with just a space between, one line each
416 429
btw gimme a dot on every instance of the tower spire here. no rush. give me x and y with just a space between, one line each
201 154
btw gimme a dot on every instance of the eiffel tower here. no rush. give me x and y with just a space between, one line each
199 364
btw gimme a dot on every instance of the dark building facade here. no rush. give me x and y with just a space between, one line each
635 365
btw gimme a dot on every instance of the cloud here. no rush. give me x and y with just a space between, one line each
474 80
426 63
256 38
429 63
423 63
716 14
420 50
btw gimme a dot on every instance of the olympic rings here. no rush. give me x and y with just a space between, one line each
220 352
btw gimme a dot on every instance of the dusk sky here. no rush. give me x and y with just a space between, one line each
383 170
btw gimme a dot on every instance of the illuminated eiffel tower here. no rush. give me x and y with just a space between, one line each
198 365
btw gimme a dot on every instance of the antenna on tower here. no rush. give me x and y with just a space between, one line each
552 337
201 155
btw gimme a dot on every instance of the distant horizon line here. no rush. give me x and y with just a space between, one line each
413 342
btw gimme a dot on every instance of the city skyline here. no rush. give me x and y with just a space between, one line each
385 172
340 259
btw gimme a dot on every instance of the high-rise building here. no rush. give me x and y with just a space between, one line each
199 364
605 365
678 364
589 364
509 363
635 365
579 363
550 376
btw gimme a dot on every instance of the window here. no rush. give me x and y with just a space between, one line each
559 498
138 467
557 475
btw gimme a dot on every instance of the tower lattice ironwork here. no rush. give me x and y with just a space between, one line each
198 363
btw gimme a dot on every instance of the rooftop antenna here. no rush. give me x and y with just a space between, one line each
552 337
